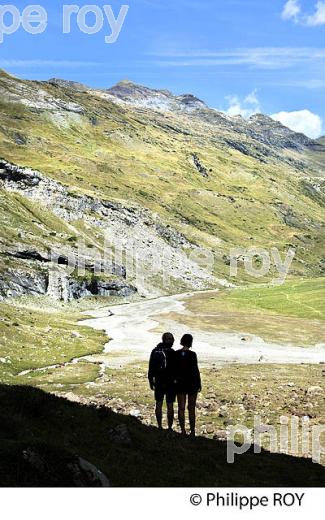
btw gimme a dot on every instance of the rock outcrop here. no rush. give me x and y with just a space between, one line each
39 468
199 166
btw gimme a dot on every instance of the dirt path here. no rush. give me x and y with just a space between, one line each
133 329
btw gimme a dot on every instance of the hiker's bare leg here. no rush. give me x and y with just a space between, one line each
191 410
181 398
159 406
170 415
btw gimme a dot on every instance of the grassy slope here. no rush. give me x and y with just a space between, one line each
34 338
127 153
301 299
233 394
59 429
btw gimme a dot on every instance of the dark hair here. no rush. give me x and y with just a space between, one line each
187 340
168 337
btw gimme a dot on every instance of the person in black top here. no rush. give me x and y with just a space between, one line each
161 377
188 382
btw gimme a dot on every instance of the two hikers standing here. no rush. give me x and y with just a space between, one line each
175 374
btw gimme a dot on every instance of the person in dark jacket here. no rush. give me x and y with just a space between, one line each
188 382
161 377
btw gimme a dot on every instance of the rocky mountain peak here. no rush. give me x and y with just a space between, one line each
146 97
191 102
67 84
261 119
264 121
268 127
130 91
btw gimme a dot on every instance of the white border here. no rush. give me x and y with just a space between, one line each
153 504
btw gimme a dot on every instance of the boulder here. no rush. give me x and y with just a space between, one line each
120 435
315 390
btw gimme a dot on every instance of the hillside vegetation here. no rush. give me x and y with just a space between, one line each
33 337
219 182
300 298
292 313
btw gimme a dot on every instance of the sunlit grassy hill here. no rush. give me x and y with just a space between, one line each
291 313
221 182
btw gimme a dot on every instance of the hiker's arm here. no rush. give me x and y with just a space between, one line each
198 375
150 374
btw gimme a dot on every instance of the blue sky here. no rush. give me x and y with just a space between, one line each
240 56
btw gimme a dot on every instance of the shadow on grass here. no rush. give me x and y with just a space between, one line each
42 438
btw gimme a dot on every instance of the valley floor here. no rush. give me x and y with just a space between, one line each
245 374
135 328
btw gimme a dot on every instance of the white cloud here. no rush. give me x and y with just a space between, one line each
254 57
311 84
318 18
251 99
291 10
244 107
303 121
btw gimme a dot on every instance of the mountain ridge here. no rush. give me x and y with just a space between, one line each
140 95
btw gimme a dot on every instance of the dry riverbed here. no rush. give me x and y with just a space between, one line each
136 328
